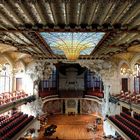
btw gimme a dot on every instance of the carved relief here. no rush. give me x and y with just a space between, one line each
89 107
53 107
104 69
71 103
36 107
39 70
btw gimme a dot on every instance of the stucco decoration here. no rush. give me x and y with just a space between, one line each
19 67
40 70
71 103
36 107
104 69
114 109
53 107
89 107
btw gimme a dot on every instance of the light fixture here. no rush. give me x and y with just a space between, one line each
71 50
137 68
128 72
72 44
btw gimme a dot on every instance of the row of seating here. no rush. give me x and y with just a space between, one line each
2 118
11 96
133 120
9 119
136 116
128 97
129 132
129 124
10 130
11 125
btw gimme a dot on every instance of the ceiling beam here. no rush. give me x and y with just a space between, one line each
35 43
125 45
66 13
46 11
104 39
19 47
40 12
133 12
33 12
106 13
44 43
121 12
9 14
5 22
19 11
69 29
34 38
53 14
101 42
20 38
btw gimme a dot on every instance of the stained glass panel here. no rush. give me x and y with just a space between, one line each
76 43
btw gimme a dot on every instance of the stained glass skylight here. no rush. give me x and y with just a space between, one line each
72 44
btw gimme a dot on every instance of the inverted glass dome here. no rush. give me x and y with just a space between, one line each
72 44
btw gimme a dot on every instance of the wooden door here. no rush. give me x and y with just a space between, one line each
125 84
18 84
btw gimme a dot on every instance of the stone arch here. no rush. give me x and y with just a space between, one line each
121 63
8 59
19 66
124 64
134 60
30 65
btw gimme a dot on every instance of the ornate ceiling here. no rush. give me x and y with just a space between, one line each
22 21
72 44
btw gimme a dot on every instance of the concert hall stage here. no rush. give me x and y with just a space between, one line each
76 127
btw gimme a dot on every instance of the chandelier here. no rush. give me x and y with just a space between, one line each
72 44
72 49
128 72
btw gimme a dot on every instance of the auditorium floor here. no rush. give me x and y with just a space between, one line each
73 127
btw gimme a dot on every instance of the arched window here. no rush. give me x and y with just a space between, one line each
137 79
5 79
125 72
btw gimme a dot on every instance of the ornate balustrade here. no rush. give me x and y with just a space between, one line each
128 97
8 97
11 105
96 93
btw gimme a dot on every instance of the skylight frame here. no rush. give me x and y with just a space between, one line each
89 38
